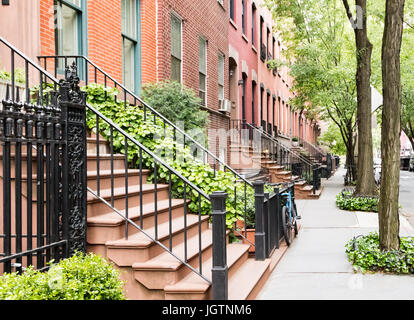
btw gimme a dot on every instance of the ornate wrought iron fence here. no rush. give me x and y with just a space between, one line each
43 159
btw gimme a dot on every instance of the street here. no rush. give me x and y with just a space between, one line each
407 195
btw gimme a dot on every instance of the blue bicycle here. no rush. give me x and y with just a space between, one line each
289 216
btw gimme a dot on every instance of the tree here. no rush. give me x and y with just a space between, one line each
407 118
365 166
391 126
322 59
333 140
407 75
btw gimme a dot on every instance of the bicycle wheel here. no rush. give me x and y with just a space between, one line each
295 224
287 226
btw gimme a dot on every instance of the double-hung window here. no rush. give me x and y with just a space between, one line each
68 30
220 76
176 48
232 10
130 43
253 25
202 68
244 16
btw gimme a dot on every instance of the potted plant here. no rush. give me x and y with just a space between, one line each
295 141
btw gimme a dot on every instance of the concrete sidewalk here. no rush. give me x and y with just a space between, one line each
316 266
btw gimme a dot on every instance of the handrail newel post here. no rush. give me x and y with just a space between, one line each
219 271
278 215
73 107
260 241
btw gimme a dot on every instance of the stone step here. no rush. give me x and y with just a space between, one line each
119 178
140 248
97 207
166 269
194 287
252 275
111 226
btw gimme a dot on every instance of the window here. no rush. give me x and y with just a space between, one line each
267 43
221 76
263 50
268 110
244 77
176 48
232 10
129 43
253 101
68 31
253 25
202 67
261 104
274 112
244 16
261 30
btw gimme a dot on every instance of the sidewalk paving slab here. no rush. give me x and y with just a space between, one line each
316 267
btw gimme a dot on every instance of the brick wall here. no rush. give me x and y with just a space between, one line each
104 34
148 40
207 18
47 33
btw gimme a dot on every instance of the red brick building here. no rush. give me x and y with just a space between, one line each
189 44
211 46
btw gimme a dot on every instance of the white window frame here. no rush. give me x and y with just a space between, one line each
221 86
201 37
178 17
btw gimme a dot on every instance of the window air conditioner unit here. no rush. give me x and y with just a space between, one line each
225 105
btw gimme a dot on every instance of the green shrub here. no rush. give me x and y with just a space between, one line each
159 140
365 255
19 75
347 201
81 277
177 103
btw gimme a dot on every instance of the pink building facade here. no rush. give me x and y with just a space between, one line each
258 94
243 60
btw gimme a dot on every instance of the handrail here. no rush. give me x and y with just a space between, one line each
144 232
263 133
315 149
117 84
188 185
156 158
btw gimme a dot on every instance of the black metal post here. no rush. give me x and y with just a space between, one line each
278 211
315 178
260 241
266 222
219 271
72 103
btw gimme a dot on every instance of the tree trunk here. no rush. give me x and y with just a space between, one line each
350 156
389 224
365 165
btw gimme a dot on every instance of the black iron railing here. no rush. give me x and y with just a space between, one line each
43 159
315 153
298 165
94 74
269 227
